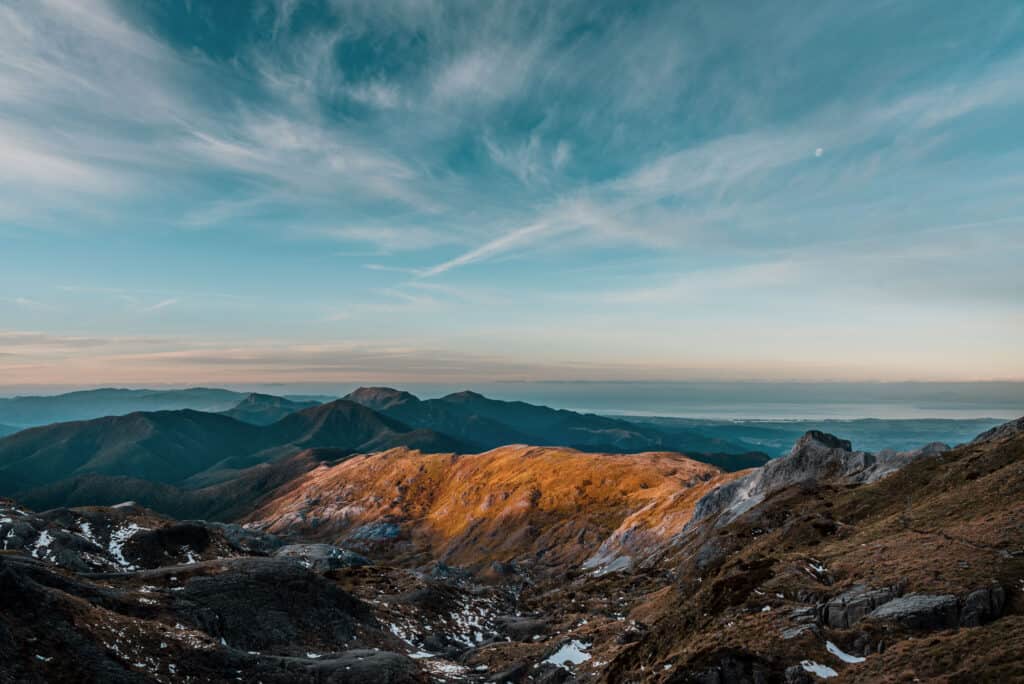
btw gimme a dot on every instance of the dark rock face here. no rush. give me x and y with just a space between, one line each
915 611
982 606
512 675
797 675
855 603
261 603
245 540
152 546
46 637
521 628
36 627
733 668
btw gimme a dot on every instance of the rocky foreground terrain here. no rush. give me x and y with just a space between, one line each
528 564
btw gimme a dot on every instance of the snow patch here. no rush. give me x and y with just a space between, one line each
118 538
85 530
845 657
444 668
574 653
42 546
818 669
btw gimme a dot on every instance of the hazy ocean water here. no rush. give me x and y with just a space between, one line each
779 401
745 400
707 400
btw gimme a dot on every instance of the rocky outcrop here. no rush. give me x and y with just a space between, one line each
913 611
1001 432
854 604
982 605
246 540
264 603
521 628
816 457
322 557
272 620
122 538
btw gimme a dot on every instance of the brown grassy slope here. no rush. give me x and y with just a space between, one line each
946 524
554 506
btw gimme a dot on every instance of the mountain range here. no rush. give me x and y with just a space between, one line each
618 432
190 449
31 411
167 457
487 423
534 564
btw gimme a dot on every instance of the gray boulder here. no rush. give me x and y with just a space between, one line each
322 557
920 611
521 628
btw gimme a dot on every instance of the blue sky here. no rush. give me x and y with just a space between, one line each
203 192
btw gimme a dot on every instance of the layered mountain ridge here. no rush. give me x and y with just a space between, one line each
488 423
167 456
191 449
544 564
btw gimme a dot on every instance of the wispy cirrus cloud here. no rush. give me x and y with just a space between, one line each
619 168
162 304
385 238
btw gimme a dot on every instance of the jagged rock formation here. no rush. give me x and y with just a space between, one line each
816 457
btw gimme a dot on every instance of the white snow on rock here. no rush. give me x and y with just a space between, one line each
42 545
85 529
845 657
444 668
574 653
118 538
817 669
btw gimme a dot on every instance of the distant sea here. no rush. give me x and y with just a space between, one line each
773 401
746 400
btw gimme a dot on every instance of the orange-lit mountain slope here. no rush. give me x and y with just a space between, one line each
536 506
